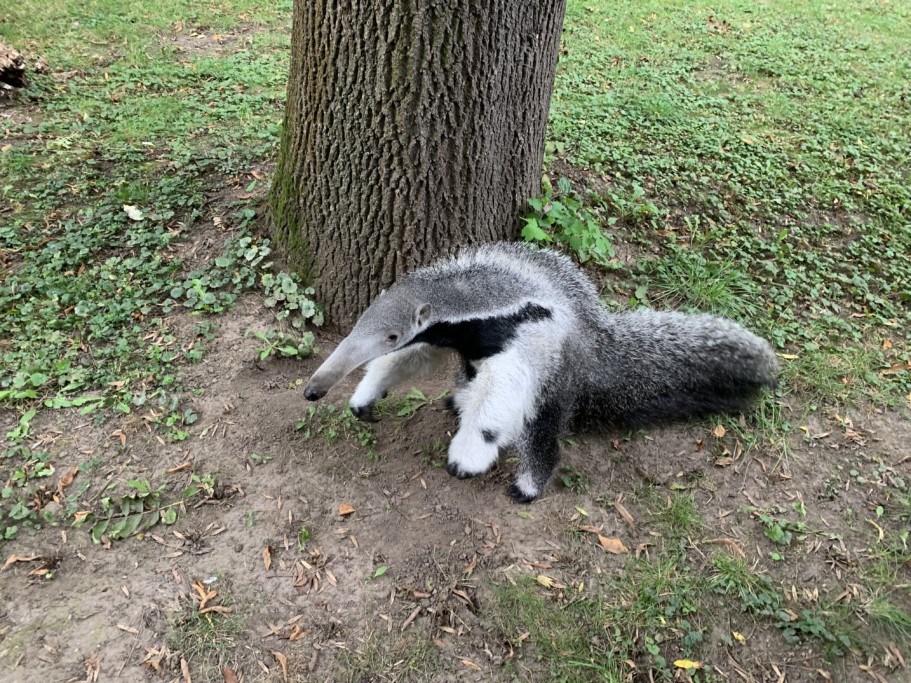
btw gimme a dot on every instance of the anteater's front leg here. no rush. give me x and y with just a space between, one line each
413 362
492 409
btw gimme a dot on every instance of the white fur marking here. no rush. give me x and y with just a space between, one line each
500 397
471 454
526 484
390 370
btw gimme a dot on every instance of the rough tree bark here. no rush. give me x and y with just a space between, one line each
411 127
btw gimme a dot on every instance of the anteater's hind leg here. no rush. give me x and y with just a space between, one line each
492 409
539 452
412 362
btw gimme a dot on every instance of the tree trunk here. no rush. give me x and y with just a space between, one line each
411 127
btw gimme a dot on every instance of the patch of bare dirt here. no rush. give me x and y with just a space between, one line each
118 607
14 116
201 41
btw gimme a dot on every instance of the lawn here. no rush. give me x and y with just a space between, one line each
170 508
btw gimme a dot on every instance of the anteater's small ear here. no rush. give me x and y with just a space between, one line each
422 315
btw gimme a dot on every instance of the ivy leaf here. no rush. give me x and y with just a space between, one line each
99 528
131 525
532 231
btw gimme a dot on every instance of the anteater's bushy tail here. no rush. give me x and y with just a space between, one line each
655 367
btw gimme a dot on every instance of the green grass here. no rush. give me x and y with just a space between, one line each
396 657
774 141
686 278
889 619
206 640
96 307
748 160
673 514
331 422
82 34
85 283
568 640
667 605
833 627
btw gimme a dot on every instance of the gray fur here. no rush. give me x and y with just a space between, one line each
555 358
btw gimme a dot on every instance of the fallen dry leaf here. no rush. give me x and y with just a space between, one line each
67 479
729 543
895 369
612 545
538 565
230 676
185 670
875 675
897 654
545 581
471 665
719 431
155 665
345 509
92 668
687 664
297 632
179 468
462 595
267 557
128 629
878 528
45 569
12 559
204 595
283 662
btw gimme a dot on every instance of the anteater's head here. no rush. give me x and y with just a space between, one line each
391 322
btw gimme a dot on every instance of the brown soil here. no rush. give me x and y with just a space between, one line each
118 602
200 40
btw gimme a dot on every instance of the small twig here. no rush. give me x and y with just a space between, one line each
411 617
129 656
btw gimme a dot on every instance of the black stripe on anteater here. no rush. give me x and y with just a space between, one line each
478 338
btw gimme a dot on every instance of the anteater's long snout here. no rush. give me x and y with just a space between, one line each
312 394
349 356
327 376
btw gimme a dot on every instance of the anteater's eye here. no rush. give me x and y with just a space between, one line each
392 338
